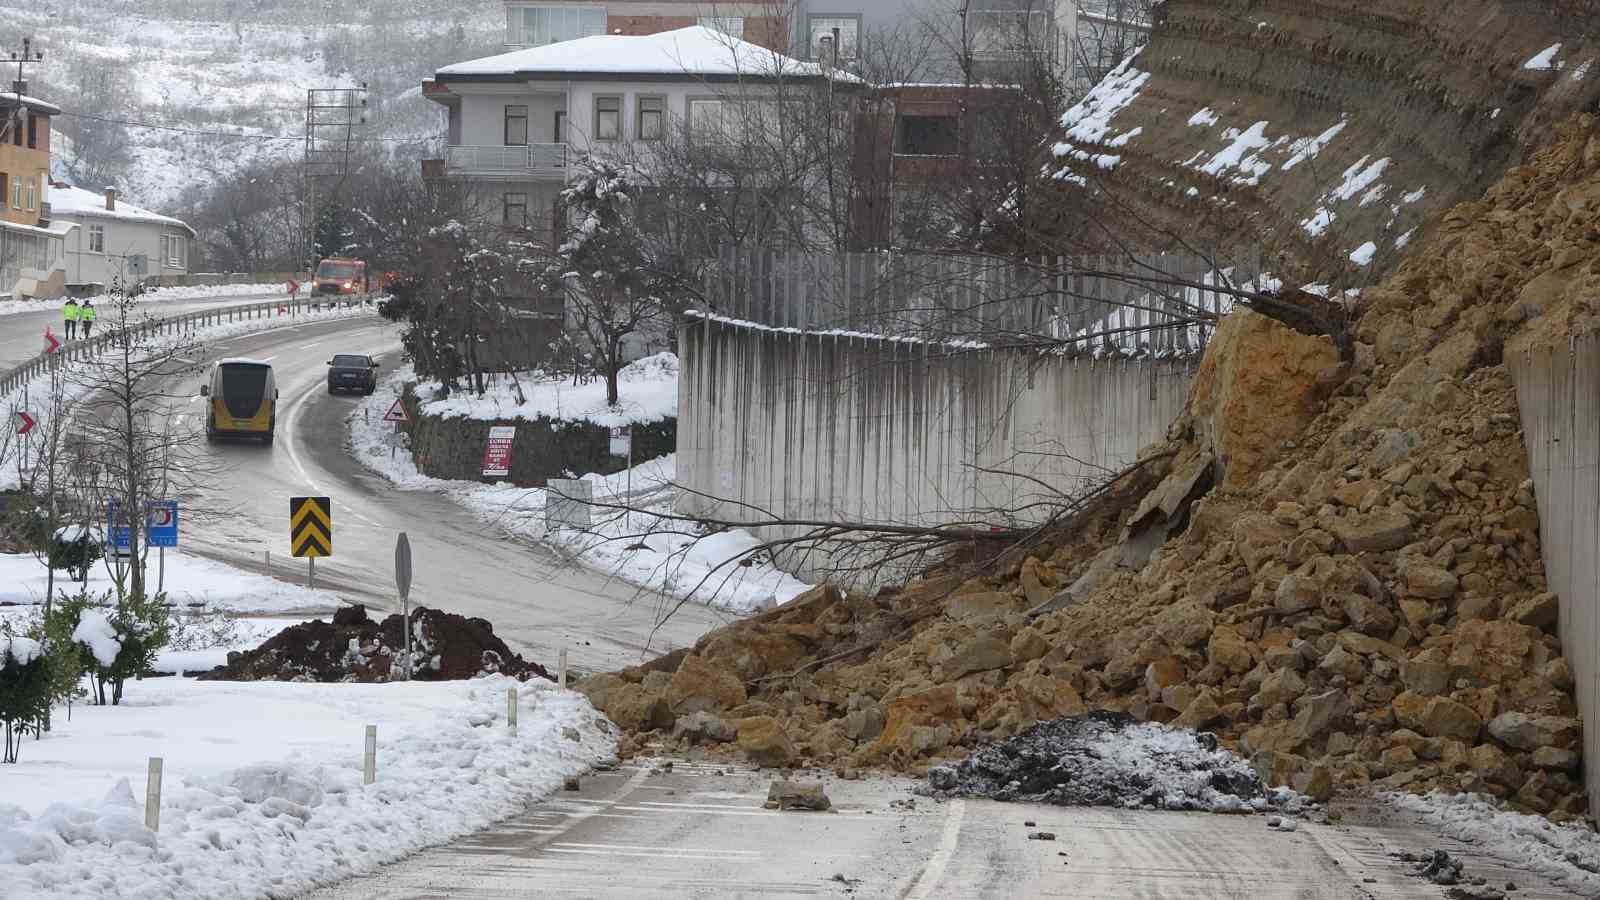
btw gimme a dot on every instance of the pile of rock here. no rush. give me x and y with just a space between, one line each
353 647
1334 563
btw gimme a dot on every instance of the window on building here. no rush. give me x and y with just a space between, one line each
16 192
652 125
33 131
708 121
561 126
31 187
928 136
514 212
730 25
173 250
821 30
539 25
1009 32
516 126
97 239
608 118
5 191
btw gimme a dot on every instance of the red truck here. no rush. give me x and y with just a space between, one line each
338 275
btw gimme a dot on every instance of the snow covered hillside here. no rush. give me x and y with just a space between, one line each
230 67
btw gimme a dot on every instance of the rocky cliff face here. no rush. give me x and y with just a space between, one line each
1327 133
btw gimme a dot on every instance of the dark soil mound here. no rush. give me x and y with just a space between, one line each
352 647
1107 759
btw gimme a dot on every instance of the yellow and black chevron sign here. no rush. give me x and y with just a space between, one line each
311 526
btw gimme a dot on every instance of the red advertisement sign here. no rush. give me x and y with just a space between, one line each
497 452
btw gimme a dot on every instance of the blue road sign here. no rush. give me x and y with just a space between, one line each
119 533
162 525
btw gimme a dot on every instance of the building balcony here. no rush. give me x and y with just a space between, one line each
524 162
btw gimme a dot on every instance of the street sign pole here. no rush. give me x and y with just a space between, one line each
311 572
161 569
402 581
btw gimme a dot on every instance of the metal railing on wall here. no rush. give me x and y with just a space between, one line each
286 308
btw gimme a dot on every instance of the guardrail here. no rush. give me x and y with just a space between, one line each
285 308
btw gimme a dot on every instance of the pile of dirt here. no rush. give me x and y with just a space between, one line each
1111 759
445 647
1333 566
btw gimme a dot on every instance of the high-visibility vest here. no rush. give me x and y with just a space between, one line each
86 313
71 312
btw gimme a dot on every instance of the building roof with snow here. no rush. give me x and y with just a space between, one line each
76 203
696 52
9 99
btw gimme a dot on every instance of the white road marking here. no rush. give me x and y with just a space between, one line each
933 872
656 849
660 854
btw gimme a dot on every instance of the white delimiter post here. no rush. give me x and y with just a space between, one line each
511 709
152 795
563 668
369 761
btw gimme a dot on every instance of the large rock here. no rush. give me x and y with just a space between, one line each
981 609
1229 651
979 653
601 688
751 651
1044 697
636 708
1494 649
863 724
1259 537
764 742
1430 582
1162 673
932 708
797 795
1494 765
1185 624
1525 732
1366 615
1373 532
1425 677
1282 686
1446 718
699 686
703 727
1542 611
1258 386
1318 713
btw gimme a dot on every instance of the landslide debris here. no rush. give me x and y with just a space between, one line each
353 647
1334 567
1111 759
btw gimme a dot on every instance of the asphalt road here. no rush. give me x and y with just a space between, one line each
537 601
699 831
22 334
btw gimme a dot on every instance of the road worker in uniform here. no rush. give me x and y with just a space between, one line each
86 314
69 313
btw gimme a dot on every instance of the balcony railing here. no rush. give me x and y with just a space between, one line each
548 160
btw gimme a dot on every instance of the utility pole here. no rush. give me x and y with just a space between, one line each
332 116
27 57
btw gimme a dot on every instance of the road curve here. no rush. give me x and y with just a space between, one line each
538 602
22 334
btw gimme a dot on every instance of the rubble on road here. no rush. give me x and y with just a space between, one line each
1110 759
1333 562
797 795
352 647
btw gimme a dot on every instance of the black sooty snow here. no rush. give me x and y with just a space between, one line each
1112 759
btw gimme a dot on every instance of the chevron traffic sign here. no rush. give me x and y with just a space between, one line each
311 527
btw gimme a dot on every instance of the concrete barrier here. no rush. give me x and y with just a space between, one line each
834 427
1558 395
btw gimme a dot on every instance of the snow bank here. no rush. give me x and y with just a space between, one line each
263 792
20 650
1544 60
676 558
189 581
648 393
157 295
1569 854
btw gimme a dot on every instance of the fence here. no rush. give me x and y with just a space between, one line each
1160 302
1558 395
79 350
829 427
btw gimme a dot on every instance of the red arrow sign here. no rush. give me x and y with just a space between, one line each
27 422
51 345
293 286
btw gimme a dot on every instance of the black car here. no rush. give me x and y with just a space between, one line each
348 372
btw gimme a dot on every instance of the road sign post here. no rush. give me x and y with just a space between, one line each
161 532
311 532
402 580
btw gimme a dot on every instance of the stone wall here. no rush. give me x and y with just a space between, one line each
544 449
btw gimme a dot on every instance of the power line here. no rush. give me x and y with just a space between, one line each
238 136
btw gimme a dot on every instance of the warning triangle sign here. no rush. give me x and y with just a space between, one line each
396 413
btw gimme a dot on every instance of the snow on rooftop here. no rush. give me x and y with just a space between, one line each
695 50
69 201
33 103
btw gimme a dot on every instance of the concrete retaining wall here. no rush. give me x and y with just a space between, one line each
838 428
1558 393
544 448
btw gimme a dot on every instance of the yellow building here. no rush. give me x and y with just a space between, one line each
31 247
